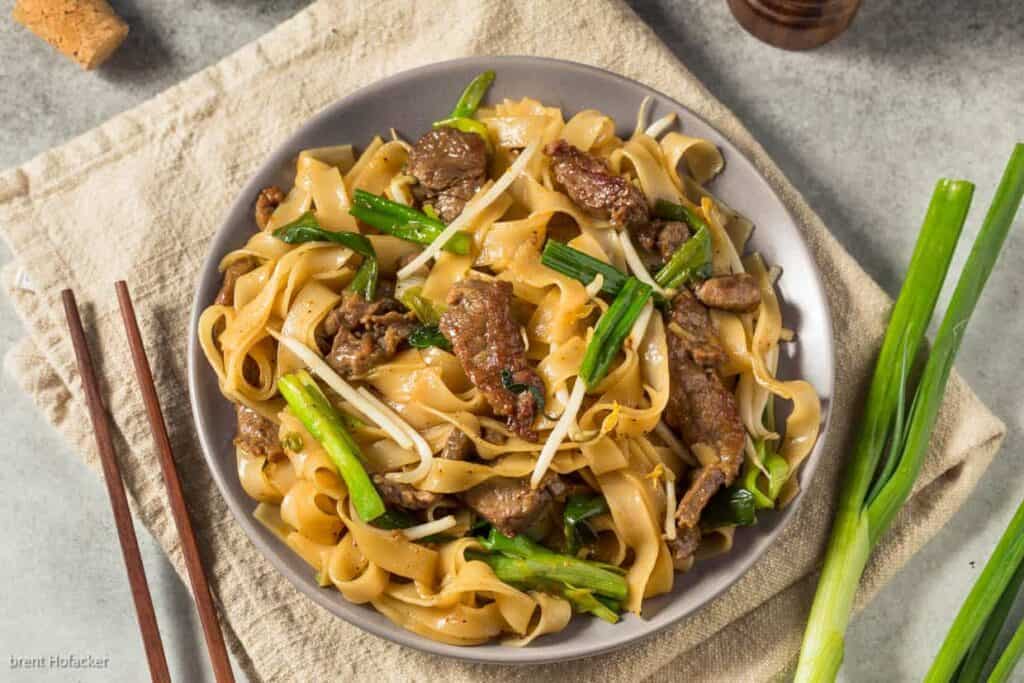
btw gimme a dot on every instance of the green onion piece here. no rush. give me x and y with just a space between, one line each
526 561
691 261
749 481
309 404
578 509
981 651
521 574
733 506
777 472
519 387
524 546
461 116
306 228
413 299
425 336
400 211
677 212
583 267
474 93
405 222
612 329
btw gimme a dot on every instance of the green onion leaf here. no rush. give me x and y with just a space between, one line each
733 506
425 336
306 228
578 509
413 299
519 387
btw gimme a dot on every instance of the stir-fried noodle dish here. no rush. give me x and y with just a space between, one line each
518 370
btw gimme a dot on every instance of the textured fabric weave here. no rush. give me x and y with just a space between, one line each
139 198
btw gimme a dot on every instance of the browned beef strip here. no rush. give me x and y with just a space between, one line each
510 504
690 325
659 239
683 547
487 341
594 188
404 496
268 200
700 407
256 435
364 333
450 166
226 295
458 446
738 293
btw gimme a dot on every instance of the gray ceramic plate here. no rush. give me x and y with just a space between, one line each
409 101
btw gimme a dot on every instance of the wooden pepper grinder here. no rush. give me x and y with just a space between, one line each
794 24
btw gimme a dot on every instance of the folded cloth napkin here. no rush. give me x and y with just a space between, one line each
139 198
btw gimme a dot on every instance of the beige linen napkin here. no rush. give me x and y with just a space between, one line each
139 198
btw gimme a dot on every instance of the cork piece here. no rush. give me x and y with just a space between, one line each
87 31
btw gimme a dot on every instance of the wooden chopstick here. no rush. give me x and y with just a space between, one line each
196 574
118 501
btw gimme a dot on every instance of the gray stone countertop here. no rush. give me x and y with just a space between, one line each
863 127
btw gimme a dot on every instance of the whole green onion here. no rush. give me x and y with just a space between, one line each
306 228
309 404
866 510
612 329
850 544
405 222
1009 554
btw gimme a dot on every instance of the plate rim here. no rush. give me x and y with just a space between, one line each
196 361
